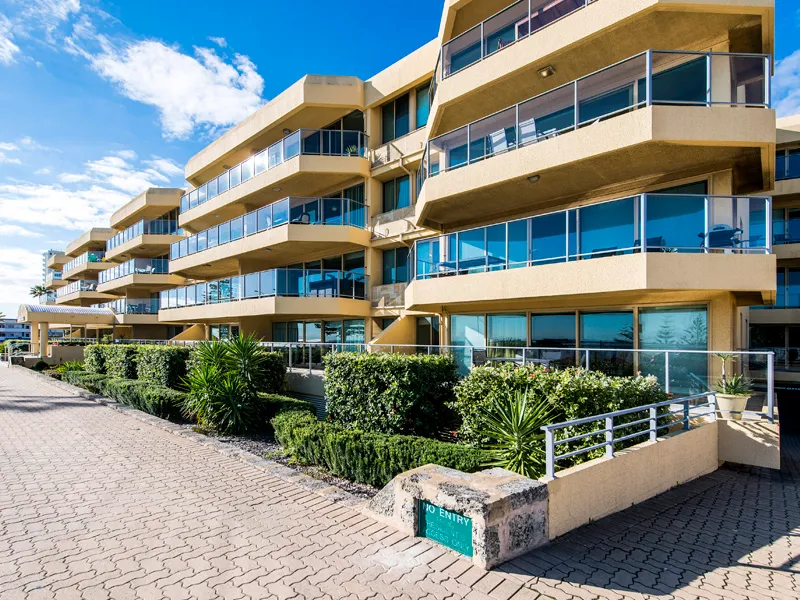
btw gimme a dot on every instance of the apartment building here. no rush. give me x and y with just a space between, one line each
11 330
119 271
777 327
561 174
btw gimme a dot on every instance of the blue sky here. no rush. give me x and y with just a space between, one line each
101 99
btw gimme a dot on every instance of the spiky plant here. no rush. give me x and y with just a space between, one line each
513 427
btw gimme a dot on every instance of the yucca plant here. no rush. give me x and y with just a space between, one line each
231 409
513 427
248 359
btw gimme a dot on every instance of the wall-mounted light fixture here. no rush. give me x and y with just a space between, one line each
546 72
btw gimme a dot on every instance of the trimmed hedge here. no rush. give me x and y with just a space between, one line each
94 358
370 458
154 399
275 403
274 373
390 393
574 393
120 360
162 365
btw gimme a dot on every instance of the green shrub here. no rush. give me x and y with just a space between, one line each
272 404
162 401
274 373
370 458
70 365
573 394
125 391
94 358
390 393
92 382
162 365
224 382
120 360
40 366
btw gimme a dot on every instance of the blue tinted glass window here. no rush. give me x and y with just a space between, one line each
507 330
792 288
684 83
518 243
389 198
674 222
548 238
388 267
793 164
607 228
553 331
402 122
403 187
496 246
607 330
423 105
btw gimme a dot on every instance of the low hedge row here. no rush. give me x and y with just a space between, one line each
162 365
153 399
370 458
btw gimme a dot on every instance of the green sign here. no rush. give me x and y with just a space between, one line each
446 527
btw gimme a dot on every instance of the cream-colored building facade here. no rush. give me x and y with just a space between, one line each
563 174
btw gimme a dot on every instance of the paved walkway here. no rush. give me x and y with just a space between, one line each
96 504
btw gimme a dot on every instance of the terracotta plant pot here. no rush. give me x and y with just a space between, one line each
730 403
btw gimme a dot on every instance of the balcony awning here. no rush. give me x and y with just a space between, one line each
64 315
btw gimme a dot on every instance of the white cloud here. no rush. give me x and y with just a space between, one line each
201 92
85 199
8 49
20 269
167 166
16 230
8 146
126 154
42 171
219 41
8 160
786 85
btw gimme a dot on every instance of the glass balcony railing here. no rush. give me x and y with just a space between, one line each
787 164
53 275
500 31
666 223
653 77
324 142
151 227
785 226
132 306
304 211
92 256
77 286
316 283
48 298
136 266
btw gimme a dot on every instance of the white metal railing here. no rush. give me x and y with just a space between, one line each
13 348
614 432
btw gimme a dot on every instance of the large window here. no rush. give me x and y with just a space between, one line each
396 193
684 328
395 266
553 331
423 104
328 332
787 163
427 331
611 330
396 118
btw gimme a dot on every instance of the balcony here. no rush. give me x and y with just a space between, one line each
146 237
53 280
282 228
283 291
92 261
94 239
306 160
690 243
80 293
133 311
654 113
151 204
505 57
150 273
55 261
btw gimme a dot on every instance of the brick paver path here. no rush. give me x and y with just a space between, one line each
96 504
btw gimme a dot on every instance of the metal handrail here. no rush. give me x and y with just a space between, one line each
577 123
288 147
609 429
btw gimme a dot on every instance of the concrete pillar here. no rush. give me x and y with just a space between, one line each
44 332
207 328
35 339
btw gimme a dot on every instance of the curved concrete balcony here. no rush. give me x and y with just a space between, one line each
306 163
691 243
506 56
89 263
151 274
144 239
276 292
81 293
149 205
284 232
650 118
313 101
94 239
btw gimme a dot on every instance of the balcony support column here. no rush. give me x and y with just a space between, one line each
35 338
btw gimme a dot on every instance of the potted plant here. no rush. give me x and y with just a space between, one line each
732 392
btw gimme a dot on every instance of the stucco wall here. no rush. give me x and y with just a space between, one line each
754 443
604 486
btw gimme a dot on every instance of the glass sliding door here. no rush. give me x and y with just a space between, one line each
504 333
551 332
684 328
611 335
467 332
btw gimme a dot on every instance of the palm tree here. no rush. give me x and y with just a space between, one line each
38 291
2 315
